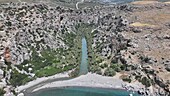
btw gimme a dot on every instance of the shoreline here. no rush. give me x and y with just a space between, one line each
84 89
38 81
56 88
78 87
92 81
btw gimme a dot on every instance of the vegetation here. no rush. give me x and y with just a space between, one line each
2 92
75 72
145 81
49 61
109 72
96 61
18 79
95 69
48 71
138 77
116 67
126 78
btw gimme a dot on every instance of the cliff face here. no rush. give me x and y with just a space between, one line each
39 40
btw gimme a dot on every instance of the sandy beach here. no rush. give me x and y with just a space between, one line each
43 79
91 80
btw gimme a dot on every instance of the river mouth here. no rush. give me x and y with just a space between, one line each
82 91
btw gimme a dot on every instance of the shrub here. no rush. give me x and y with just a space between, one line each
2 92
145 81
123 67
103 65
94 69
109 72
138 77
75 72
127 79
18 79
117 69
48 71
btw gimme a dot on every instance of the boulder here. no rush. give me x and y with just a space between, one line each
21 94
168 68
160 82
136 30
141 92
166 37
161 92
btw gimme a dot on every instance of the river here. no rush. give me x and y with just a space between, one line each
82 91
84 58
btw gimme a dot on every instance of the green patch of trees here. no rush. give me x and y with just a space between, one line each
2 92
145 81
18 79
48 71
127 79
109 72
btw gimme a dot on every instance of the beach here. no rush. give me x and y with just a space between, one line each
91 80
40 80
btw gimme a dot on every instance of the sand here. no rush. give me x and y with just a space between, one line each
90 80
144 2
39 80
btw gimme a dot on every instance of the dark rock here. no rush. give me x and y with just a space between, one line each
136 30
166 37
141 92
159 81
167 67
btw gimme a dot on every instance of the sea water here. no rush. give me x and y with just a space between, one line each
83 91
124 1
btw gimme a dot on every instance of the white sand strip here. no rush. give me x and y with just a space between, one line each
168 2
39 80
144 2
89 80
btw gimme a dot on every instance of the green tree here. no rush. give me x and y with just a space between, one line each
109 72
145 81
2 92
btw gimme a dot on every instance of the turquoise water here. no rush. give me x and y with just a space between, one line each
82 91
125 1
84 61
